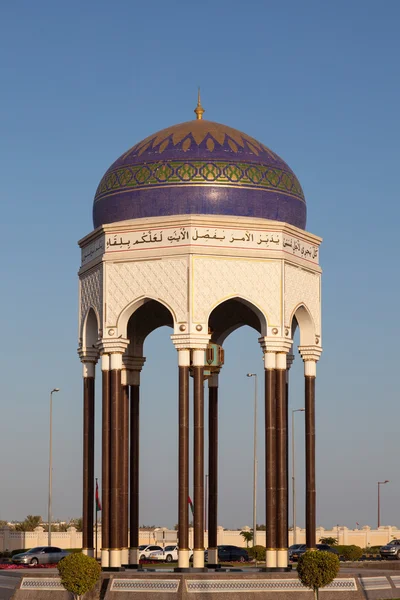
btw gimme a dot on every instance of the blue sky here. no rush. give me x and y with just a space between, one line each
318 83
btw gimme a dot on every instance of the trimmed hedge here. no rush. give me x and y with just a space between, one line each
257 552
79 573
351 552
317 568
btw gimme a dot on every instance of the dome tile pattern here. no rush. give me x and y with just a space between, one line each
199 167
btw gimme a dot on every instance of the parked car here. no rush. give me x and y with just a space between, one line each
298 549
391 550
146 549
230 553
39 556
169 554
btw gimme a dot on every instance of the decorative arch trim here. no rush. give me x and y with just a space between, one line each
131 308
305 323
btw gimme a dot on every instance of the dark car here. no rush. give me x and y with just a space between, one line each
298 549
230 553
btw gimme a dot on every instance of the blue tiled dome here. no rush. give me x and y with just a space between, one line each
199 167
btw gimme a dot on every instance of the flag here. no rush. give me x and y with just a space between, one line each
191 504
98 503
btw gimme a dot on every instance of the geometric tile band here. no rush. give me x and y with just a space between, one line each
45 583
264 585
145 585
395 580
375 583
159 174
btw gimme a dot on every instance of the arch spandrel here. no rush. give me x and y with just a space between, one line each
302 293
257 282
129 283
126 320
91 292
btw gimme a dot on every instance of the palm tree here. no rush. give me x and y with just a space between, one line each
248 536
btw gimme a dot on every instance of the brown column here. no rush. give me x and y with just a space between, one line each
134 474
212 467
183 516
88 463
105 465
125 474
311 521
198 458
281 463
116 465
270 459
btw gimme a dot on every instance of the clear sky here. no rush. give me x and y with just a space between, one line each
318 82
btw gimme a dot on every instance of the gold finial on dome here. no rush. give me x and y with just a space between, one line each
199 110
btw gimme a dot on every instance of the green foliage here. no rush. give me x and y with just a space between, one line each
372 550
331 541
350 552
77 523
79 573
317 568
247 536
3 523
257 552
29 524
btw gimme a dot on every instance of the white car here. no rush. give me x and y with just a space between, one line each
169 554
146 549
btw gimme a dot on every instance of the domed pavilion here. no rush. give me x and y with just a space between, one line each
201 228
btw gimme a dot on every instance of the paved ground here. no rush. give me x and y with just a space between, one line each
10 579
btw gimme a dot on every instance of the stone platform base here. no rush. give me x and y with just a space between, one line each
234 585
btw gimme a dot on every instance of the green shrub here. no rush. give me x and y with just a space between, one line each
350 552
372 550
257 552
73 550
317 568
79 573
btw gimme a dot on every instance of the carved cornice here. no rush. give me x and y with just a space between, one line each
275 344
310 353
192 341
90 355
113 346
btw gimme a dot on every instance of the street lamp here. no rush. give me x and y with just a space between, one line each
254 461
50 463
293 476
379 499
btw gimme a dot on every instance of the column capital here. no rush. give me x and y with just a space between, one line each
310 353
289 360
131 369
191 341
277 345
111 346
88 355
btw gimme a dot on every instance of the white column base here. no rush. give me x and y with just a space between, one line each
133 556
198 559
105 558
124 556
115 558
213 556
183 559
270 558
282 558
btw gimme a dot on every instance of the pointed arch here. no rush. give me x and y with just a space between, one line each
132 307
90 328
233 312
301 318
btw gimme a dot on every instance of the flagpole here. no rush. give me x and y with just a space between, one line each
96 520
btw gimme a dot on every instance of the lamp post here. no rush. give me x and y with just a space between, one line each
293 476
379 499
50 463
254 461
